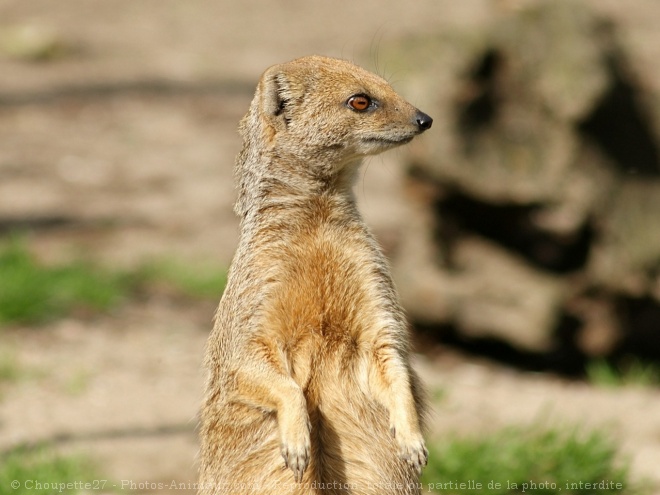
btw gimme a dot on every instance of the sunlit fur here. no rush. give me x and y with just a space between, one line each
309 374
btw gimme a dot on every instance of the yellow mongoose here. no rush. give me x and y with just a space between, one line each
310 389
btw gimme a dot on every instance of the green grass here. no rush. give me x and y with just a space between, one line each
9 369
12 370
44 473
438 395
79 382
199 281
32 293
533 460
635 373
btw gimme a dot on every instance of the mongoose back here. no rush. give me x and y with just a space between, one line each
310 387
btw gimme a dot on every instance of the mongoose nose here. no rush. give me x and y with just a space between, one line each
423 121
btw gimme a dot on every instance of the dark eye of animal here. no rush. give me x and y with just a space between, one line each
359 103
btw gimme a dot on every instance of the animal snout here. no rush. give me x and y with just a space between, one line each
423 121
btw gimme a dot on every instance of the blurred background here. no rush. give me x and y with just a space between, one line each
522 229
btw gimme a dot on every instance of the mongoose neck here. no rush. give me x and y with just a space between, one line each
290 183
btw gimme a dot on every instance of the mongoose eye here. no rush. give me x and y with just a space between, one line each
359 103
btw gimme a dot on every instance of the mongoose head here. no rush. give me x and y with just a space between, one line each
328 113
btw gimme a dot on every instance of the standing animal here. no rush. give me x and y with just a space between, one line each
310 387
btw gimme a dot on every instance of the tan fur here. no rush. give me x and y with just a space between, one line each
310 388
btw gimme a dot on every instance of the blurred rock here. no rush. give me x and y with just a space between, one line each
500 296
627 257
476 286
545 162
508 101
601 331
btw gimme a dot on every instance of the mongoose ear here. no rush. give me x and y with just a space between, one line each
276 97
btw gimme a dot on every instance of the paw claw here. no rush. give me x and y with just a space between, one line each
413 450
296 453
296 460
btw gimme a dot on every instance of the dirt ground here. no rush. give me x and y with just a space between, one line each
121 147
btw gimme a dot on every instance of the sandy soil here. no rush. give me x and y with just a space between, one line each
121 150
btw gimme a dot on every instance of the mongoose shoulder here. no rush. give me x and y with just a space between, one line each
310 387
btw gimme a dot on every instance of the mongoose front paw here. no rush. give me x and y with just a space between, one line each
411 448
296 458
296 448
